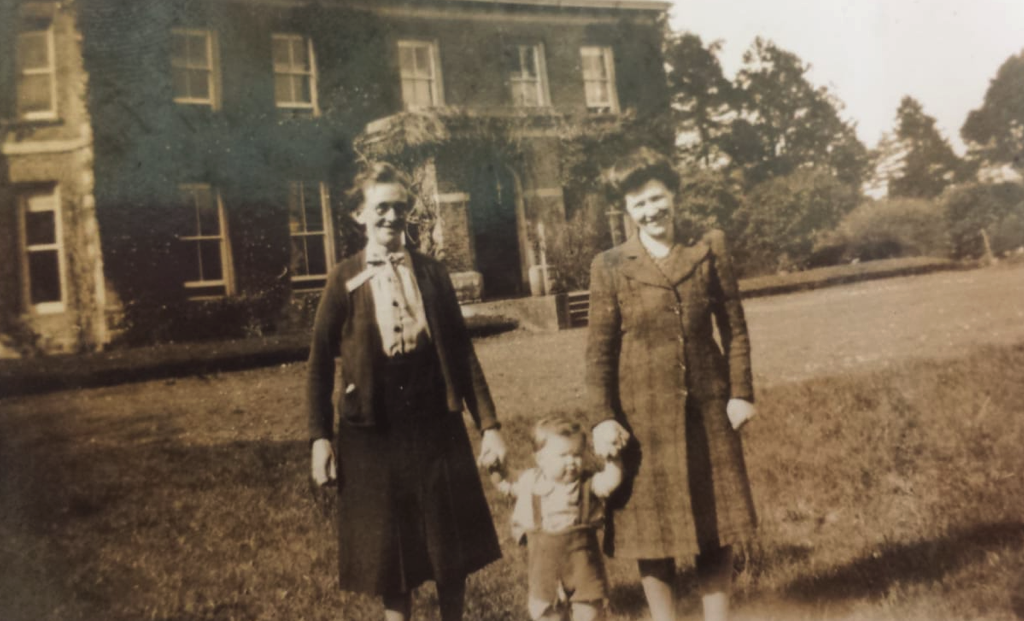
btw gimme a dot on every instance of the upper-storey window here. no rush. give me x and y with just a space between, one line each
205 255
528 78
599 79
194 67
294 72
42 250
420 67
309 223
37 73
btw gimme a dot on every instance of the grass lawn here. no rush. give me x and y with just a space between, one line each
886 491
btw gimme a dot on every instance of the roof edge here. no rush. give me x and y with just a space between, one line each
628 5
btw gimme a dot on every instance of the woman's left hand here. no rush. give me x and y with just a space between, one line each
739 411
492 450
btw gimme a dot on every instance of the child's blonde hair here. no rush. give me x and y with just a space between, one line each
557 426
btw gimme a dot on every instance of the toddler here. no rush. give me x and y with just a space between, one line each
559 509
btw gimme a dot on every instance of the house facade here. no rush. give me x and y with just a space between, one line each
175 169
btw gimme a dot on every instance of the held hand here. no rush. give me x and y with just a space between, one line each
492 450
739 411
609 439
323 466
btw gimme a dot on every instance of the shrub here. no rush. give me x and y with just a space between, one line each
996 208
902 227
782 219
584 235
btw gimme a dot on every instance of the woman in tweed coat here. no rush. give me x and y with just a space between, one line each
664 393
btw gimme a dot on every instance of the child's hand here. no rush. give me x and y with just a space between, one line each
607 480
609 438
739 412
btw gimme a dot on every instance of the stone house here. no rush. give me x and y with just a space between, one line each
174 169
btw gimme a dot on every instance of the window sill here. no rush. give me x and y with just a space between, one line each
30 123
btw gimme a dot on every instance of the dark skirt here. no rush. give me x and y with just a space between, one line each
411 504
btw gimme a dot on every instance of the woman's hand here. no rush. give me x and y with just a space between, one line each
740 411
492 450
323 466
609 439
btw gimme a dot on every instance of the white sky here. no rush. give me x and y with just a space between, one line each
871 53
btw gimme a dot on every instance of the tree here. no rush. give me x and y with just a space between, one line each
786 123
995 132
783 217
924 163
703 100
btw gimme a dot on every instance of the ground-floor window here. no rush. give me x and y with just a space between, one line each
203 243
309 223
42 249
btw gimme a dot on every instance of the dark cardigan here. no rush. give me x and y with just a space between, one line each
346 325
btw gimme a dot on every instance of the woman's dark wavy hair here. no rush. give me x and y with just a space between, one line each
373 173
632 171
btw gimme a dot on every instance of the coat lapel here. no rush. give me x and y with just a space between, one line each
639 266
681 263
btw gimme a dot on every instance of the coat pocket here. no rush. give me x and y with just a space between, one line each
351 406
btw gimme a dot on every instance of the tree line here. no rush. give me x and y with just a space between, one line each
770 157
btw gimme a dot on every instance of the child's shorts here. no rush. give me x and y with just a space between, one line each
572 558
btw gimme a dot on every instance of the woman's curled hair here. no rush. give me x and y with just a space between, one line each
635 169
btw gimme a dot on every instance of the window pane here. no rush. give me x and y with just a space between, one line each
208 218
423 96
299 57
299 263
33 51
281 52
180 77
593 66
314 212
189 258
409 92
179 49
197 51
316 257
210 254
44 276
529 62
406 60
199 84
302 91
40 227
282 88
423 61
34 94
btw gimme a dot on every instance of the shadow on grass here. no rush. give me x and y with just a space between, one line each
913 563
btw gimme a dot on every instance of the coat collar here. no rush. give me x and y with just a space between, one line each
677 267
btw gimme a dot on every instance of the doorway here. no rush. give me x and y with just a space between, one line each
496 229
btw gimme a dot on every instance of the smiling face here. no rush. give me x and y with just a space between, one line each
561 459
385 207
652 208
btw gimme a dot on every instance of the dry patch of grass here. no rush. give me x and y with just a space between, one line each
890 494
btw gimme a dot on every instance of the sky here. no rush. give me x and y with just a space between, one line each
870 53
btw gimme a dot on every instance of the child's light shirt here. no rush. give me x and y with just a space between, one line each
559 505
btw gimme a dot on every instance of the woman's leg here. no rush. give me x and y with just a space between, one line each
451 596
657 577
397 607
714 575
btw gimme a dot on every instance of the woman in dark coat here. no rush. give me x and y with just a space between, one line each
411 507
664 393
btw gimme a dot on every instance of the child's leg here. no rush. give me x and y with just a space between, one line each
657 577
587 611
397 606
714 575
541 610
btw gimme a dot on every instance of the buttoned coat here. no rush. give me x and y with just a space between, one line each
653 364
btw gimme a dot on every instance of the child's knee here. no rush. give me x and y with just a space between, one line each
587 611
542 610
